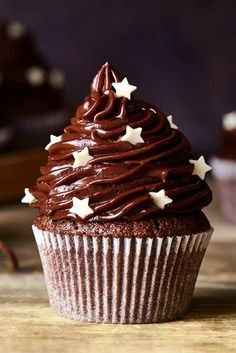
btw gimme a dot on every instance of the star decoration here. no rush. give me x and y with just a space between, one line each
229 121
81 158
200 167
81 207
133 136
35 76
28 198
160 198
15 30
53 139
123 88
172 125
56 78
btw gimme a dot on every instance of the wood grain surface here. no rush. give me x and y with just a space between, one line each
28 325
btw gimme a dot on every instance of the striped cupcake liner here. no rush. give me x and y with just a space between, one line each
224 172
224 169
227 194
121 280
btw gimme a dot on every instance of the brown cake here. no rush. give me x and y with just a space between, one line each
31 91
120 229
224 167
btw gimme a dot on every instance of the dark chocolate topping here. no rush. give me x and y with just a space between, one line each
120 176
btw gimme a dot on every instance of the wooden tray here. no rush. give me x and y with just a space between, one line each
17 171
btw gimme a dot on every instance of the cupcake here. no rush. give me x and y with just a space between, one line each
31 91
224 167
120 229
5 134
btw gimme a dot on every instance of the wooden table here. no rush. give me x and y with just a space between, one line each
28 325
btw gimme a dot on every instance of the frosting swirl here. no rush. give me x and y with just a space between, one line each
119 177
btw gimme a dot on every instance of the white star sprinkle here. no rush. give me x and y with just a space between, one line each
81 158
172 125
200 167
15 30
160 198
53 139
133 136
229 121
28 198
56 78
123 88
81 207
35 76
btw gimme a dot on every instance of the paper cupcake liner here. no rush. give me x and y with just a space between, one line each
121 280
224 169
227 194
224 172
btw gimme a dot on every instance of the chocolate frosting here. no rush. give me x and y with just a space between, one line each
120 176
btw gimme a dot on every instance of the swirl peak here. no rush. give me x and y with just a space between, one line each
103 80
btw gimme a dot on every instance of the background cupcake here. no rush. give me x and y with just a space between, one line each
6 133
120 230
31 91
224 167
